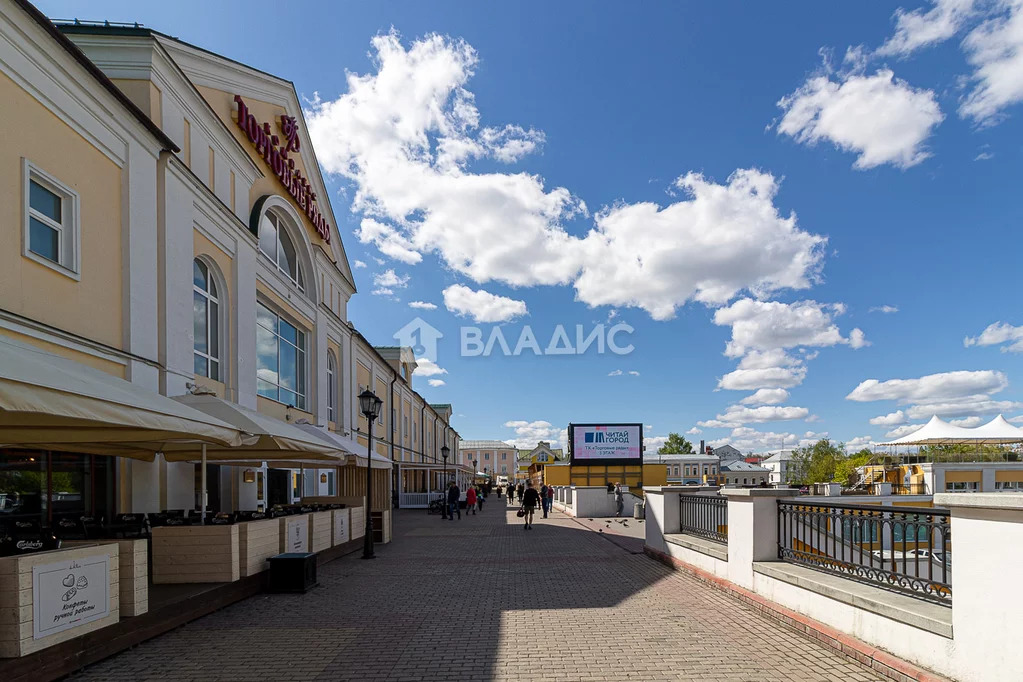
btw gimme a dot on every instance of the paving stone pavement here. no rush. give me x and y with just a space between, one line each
483 599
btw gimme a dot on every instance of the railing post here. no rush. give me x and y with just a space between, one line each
662 515
987 550
752 529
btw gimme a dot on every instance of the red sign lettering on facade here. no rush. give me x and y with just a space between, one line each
277 157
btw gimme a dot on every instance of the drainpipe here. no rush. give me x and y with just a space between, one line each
394 471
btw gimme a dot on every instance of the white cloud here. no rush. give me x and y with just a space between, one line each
528 434
858 443
386 282
422 305
904 430
917 29
737 415
425 367
767 377
359 264
886 309
772 325
748 439
633 372
881 118
890 419
984 156
406 134
958 407
931 387
968 422
615 373
766 396
388 241
1016 420
694 432
481 305
436 382
857 339
995 50
652 444
996 334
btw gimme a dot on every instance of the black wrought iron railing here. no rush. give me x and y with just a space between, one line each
906 549
704 515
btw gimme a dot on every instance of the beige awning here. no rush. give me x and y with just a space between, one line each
356 453
50 401
272 439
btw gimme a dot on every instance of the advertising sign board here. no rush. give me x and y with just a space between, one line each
67 594
611 444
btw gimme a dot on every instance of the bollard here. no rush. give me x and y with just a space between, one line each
637 510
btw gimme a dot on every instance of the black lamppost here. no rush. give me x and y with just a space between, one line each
444 452
475 468
370 404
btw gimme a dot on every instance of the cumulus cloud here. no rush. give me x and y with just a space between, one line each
772 325
886 309
651 444
904 430
694 432
967 405
633 372
529 433
426 367
997 334
748 439
920 28
387 281
931 387
995 50
405 137
436 382
422 305
858 443
967 422
881 118
890 419
615 373
359 264
766 396
737 415
481 305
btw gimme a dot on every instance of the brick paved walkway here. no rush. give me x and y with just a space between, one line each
482 599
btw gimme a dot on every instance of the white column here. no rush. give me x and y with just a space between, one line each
662 515
987 532
318 366
244 324
752 529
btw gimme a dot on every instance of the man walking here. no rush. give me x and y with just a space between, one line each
530 501
453 494
549 501
543 499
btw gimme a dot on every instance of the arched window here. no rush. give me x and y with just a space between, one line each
205 321
331 392
277 245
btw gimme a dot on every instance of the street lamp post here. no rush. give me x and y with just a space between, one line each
369 404
444 452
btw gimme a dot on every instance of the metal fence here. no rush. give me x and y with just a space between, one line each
704 515
906 549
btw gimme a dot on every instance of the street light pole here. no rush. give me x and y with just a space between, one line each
444 452
370 404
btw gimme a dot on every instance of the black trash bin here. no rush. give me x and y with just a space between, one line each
292 572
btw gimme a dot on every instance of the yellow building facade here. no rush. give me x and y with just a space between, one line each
167 224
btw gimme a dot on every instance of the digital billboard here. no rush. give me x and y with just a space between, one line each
606 443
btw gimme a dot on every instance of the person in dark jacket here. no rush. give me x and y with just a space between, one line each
530 501
520 489
453 494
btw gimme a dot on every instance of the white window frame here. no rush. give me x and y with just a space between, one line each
331 390
69 232
302 367
211 319
280 225
1008 486
961 486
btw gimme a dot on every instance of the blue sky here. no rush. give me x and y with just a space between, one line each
882 175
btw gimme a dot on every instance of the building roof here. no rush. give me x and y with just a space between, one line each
780 456
484 445
740 465
693 457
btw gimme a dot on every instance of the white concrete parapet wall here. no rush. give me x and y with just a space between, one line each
976 640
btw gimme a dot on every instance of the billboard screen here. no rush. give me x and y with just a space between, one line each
606 443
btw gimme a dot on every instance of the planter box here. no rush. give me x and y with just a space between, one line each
382 527
257 542
50 597
358 522
341 526
294 534
195 554
320 531
134 573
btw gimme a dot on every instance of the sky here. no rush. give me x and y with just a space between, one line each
800 220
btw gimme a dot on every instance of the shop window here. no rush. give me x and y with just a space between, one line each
205 321
331 389
280 363
52 227
1008 486
277 245
486 455
960 486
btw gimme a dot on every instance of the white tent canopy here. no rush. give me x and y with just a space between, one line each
356 453
939 432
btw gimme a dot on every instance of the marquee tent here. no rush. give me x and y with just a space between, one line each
940 432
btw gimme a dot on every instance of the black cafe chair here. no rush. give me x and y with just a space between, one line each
28 536
129 526
249 516
69 527
221 519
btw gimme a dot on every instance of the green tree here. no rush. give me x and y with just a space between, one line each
816 463
675 445
845 470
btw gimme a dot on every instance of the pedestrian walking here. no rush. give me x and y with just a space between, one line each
549 501
619 499
519 490
480 498
530 501
470 500
453 494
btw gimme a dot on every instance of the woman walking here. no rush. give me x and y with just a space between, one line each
470 500
530 501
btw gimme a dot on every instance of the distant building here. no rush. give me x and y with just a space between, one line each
688 469
779 464
726 453
542 455
494 457
739 472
